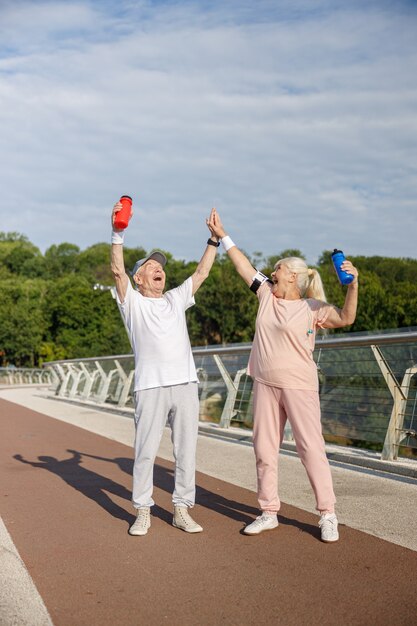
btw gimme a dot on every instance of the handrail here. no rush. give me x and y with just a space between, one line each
379 382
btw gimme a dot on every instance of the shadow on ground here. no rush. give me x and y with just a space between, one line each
96 487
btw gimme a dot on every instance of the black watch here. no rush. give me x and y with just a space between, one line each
210 242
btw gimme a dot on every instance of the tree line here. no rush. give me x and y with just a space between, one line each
49 309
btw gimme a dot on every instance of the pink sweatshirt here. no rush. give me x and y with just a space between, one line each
282 350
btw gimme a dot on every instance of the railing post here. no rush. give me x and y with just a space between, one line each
123 398
399 393
232 387
102 375
64 373
105 383
89 380
77 374
124 385
50 374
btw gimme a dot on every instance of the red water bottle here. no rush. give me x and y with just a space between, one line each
122 217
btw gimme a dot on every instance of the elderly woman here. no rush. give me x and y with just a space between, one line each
291 308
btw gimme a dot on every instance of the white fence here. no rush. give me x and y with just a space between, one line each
27 376
367 387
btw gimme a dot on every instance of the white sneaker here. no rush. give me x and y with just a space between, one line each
183 520
263 522
142 523
328 527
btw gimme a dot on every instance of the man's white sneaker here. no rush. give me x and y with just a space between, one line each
328 527
183 520
142 523
262 522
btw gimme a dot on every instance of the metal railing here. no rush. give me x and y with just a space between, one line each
27 376
368 387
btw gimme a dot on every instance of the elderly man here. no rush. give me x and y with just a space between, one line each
166 384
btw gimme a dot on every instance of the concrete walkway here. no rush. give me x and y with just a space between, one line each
79 556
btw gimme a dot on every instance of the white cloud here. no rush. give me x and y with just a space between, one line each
300 126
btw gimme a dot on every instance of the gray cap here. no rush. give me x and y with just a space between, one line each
156 255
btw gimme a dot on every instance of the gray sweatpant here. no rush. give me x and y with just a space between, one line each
180 406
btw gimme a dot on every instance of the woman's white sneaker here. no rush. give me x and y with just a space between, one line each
262 522
328 527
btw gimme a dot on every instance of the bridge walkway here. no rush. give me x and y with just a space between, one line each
65 505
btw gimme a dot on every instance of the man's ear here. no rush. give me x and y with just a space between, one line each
136 279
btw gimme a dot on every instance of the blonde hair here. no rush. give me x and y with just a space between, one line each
309 280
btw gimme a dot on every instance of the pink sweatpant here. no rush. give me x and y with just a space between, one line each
272 407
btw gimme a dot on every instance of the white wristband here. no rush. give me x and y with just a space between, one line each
118 236
227 243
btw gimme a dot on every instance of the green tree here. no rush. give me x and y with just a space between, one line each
82 321
94 263
49 310
267 265
62 259
22 323
226 308
15 251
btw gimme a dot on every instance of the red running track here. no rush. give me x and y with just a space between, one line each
65 500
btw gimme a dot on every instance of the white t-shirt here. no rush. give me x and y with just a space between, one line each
158 335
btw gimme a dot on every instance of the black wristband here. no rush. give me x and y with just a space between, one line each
210 242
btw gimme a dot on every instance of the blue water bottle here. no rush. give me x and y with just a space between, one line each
338 257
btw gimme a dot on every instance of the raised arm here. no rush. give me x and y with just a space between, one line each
206 262
242 264
117 261
346 315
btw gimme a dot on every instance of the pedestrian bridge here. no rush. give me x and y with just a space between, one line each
66 557
368 387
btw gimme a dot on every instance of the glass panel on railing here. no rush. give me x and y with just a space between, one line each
356 401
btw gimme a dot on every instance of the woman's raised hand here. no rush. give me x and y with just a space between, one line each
347 266
215 225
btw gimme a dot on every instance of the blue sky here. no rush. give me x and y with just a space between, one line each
296 119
